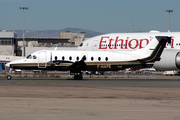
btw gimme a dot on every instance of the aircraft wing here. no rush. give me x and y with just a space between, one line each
74 67
78 66
61 61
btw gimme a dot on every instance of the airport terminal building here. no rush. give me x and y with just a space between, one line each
11 46
8 47
8 43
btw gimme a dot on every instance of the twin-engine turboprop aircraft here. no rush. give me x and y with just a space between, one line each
78 61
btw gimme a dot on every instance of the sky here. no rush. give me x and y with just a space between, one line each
105 16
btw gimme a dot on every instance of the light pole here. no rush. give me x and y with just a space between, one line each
23 50
169 11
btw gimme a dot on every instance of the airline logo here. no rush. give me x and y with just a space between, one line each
128 43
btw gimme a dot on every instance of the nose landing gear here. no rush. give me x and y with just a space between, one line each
8 72
9 77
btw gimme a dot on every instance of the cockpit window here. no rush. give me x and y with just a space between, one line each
81 45
34 57
29 57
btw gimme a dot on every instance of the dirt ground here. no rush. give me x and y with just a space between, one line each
79 103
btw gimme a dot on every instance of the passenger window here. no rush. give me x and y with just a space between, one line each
106 58
77 58
70 58
63 58
55 57
92 58
99 58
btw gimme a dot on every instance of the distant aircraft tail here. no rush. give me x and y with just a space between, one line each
160 47
154 49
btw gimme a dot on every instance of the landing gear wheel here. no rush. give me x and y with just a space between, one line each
78 77
75 77
9 77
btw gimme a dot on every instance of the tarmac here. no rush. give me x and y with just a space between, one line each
134 98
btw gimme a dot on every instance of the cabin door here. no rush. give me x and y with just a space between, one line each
42 59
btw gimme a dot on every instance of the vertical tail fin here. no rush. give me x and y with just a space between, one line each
160 47
155 48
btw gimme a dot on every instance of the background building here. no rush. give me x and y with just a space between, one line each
8 43
12 46
8 48
75 39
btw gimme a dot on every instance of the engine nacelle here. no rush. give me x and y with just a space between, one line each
170 60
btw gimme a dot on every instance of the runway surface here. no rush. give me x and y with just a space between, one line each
98 99
59 82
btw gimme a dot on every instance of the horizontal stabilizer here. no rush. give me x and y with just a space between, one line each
168 38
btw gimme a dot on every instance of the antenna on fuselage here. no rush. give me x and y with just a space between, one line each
55 48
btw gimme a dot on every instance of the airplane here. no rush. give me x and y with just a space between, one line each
170 58
78 61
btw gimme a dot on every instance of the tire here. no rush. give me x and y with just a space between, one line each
75 77
9 77
78 77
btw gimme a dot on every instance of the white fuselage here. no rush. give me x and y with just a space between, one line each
126 41
41 58
132 41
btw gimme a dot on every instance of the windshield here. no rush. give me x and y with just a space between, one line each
81 44
29 57
34 57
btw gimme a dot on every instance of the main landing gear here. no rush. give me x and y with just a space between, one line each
78 77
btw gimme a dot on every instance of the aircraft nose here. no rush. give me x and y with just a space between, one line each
7 67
